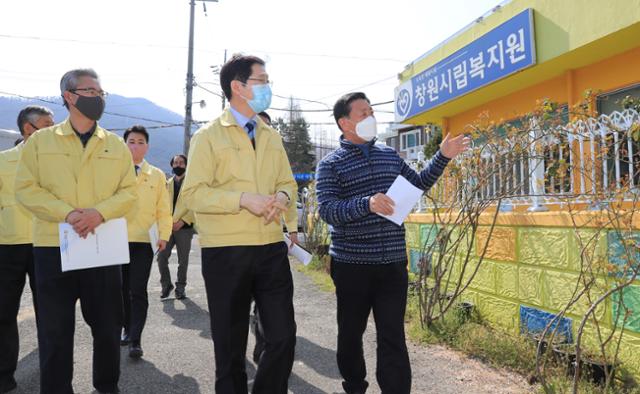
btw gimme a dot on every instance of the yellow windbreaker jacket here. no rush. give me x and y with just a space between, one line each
153 205
223 165
15 222
56 175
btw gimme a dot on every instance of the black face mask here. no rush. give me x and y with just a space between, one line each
91 107
179 170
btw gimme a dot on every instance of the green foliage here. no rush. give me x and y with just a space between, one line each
296 140
431 147
500 349
317 236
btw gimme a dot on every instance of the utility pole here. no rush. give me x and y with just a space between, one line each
187 109
223 96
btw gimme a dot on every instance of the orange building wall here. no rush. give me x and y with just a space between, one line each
610 74
607 75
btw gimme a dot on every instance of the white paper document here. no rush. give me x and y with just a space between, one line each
297 252
154 237
108 246
405 196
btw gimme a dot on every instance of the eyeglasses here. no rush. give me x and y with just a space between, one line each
261 81
91 92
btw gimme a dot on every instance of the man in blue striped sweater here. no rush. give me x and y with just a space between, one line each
368 252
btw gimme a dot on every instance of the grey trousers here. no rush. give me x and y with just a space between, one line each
182 240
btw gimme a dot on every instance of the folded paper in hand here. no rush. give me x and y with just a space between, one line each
297 252
405 196
154 238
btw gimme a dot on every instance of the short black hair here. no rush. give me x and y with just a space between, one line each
18 141
237 68
265 115
342 107
31 114
180 155
136 129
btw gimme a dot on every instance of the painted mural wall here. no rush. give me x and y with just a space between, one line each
530 273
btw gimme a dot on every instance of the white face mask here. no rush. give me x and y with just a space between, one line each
367 128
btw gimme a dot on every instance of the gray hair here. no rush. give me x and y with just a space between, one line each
31 114
69 80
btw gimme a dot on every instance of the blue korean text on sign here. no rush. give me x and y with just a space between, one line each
504 50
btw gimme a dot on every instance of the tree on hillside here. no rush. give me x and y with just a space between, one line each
295 134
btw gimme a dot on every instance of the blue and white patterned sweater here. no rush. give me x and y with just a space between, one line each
346 179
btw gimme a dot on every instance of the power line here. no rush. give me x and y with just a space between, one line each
330 110
359 87
274 95
164 124
302 99
295 98
106 112
206 90
383 103
202 122
164 46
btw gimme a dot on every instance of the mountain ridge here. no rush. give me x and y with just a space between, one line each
165 139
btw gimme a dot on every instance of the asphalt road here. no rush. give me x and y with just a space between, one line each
179 353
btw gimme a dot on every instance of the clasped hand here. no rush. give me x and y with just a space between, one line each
269 207
84 221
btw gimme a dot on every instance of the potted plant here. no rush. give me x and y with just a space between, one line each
542 343
465 309
596 368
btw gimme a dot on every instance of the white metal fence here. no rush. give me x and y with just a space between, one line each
582 159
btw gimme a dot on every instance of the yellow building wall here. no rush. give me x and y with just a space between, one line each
569 35
560 27
532 262
531 271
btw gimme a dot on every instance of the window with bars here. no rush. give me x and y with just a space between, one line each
622 167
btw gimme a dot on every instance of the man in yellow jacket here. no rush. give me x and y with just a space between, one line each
153 208
239 183
16 246
181 235
79 173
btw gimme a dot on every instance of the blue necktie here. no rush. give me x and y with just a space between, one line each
137 169
251 133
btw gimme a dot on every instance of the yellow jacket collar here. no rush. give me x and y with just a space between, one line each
66 129
145 167
227 119
13 154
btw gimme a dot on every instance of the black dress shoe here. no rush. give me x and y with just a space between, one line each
135 350
8 386
180 294
166 291
124 339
